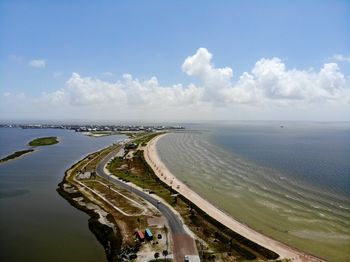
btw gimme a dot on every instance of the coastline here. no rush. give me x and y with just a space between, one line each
112 225
101 223
285 251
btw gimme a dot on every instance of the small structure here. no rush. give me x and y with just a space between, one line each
85 175
140 236
148 234
130 146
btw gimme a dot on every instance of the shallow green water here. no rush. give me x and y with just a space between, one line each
271 201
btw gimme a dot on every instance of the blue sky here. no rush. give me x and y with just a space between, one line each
153 38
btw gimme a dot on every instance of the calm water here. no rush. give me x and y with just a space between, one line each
291 183
36 224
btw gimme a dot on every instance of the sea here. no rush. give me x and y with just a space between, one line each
36 223
288 180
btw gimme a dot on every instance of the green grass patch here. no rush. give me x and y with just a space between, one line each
143 140
15 155
219 237
44 141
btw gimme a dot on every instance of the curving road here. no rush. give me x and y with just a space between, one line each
184 244
175 223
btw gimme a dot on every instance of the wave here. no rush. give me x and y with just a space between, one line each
265 198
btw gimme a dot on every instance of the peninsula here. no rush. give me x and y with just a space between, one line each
132 170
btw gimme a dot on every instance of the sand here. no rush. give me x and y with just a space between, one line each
166 176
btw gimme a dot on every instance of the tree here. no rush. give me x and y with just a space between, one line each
165 253
156 255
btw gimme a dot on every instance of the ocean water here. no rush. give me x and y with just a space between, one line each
36 223
291 183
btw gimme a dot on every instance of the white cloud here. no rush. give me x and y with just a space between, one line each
58 74
268 82
268 88
215 80
109 74
340 58
86 91
38 63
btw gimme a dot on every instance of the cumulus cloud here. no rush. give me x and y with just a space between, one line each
340 58
38 63
269 84
86 91
269 80
215 80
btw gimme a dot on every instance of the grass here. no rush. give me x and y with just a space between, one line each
143 140
220 238
15 155
127 224
44 141
115 198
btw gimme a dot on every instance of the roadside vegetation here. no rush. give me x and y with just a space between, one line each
215 242
15 155
143 140
118 240
44 141
220 242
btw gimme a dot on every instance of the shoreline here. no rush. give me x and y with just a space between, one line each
103 227
285 251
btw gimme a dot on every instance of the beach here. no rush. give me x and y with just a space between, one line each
285 251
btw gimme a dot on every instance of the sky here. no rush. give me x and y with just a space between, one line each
175 60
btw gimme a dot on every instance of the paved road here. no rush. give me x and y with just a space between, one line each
175 223
184 244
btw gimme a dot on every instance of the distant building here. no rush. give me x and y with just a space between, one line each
148 234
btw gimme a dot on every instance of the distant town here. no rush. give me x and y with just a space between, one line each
96 128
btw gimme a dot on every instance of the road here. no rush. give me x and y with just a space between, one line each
184 244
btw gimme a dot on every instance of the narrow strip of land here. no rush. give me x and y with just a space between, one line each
184 244
16 155
153 159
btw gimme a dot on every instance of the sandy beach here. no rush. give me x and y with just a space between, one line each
166 176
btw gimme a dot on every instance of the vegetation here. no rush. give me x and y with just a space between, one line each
110 239
119 243
143 140
220 238
44 141
15 155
